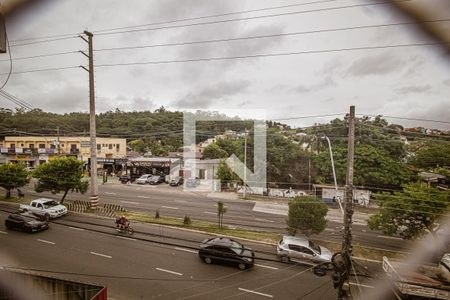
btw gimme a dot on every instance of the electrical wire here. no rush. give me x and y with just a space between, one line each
410 119
16 100
10 62
42 55
45 41
44 70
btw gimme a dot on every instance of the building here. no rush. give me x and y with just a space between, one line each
34 150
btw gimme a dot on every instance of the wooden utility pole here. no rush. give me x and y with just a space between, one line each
92 126
348 210
245 164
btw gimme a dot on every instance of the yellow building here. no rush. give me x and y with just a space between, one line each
34 150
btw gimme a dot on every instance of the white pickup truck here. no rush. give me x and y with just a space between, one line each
46 207
426 282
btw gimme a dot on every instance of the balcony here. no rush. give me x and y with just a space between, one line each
74 151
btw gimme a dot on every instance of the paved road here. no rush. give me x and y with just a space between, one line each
151 265
174 201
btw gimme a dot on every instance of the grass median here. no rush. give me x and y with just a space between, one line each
262 236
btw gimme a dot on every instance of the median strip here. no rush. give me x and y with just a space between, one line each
130 202
168 271
46 242
169 207
99 254
256 293
75 228
264 220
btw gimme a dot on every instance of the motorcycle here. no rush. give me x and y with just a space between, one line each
124 228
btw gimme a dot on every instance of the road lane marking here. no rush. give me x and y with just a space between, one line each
125 238
143 197
4 232
185 250
363 285
102 255
264 220
209 212
169 207
74 228
267 267
389 237
329 229
45 241
110 193
255 292
130 202
168 271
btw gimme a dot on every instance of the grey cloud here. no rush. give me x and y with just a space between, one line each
447 82
324 83
378 64
124 103
413 89
209 95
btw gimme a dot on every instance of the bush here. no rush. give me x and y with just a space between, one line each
157 214
187 220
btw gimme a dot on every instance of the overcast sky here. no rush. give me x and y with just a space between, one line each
409 82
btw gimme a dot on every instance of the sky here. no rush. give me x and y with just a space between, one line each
317 75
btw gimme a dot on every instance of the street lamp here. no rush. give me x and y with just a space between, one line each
334 173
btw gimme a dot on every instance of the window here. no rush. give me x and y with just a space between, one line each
41 146
62 145
110 146
21 145
306 251
73 146
13 146
99 146
117 148
31 146
52 146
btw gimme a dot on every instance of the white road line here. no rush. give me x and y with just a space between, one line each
130 202
4 232
169 207
389 237
143 197
329 229
264 220
363 285
74 228
267 267
45 241
185 250
125 238
209 212
110 193
102 255
168 271
255 292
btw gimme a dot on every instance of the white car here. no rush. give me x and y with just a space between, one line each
302 250
45 207
144 179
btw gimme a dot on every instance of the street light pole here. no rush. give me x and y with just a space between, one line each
245 164
334 174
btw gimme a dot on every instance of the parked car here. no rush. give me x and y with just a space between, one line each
46 207
144 179
192 182
125 179
176 181
157 179
27 222
292 248
224 250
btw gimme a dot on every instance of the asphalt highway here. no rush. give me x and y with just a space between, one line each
154 263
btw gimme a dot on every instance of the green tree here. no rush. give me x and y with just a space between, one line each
13 176
221 210
410 212
214 151
307 215
431 155
225 174
61 174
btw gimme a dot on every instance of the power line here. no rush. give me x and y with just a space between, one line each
247 18
42 55
10 62
264 36
267 55
410 119
45 41
213 16
43 70
16 100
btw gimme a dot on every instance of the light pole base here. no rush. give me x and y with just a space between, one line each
93 201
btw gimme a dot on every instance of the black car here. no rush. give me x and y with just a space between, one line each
176 181
27 222
157 179
226 251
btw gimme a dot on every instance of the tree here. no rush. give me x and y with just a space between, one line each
225 174
410 212
13 176
61 174
307 215
221 210
214 151
431 155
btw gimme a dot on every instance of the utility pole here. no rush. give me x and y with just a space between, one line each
92 126
344 274
245 164
57 140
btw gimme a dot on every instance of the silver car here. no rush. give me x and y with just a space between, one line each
302 250
144 179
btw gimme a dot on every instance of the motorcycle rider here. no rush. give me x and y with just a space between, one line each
122 222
